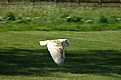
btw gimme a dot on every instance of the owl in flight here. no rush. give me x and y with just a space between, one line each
55 47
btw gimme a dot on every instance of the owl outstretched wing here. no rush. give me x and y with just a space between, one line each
56 50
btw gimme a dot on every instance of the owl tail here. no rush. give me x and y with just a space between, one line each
43 43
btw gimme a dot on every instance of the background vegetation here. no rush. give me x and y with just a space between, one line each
59 17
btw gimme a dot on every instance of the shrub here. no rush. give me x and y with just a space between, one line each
1 18
103 19
10 16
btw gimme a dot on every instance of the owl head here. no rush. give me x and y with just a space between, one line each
64 42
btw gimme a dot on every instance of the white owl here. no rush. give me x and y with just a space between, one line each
55 47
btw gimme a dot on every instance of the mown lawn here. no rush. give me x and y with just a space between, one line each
90 56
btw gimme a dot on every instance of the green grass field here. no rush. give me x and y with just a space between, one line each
90 56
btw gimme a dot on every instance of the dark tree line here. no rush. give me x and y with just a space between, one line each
79 1
9 1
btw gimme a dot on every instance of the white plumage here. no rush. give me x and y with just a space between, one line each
55 47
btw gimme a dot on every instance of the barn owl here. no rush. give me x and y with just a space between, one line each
55 47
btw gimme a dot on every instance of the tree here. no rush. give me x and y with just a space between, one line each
8 1
33 1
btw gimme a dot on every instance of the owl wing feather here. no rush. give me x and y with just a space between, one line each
56 50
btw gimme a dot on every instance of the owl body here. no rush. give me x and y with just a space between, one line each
55 47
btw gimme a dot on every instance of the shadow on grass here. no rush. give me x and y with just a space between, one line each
38 62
